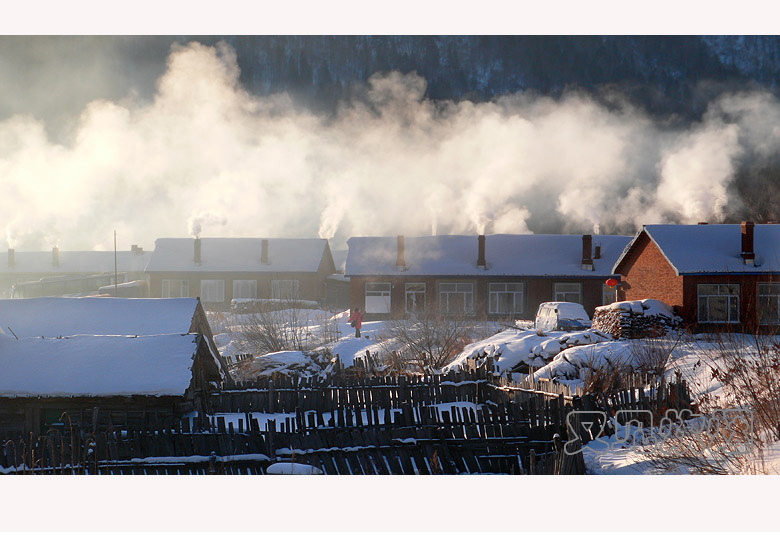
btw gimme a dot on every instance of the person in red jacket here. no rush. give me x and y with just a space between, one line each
356 320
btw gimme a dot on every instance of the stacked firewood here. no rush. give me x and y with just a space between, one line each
636 319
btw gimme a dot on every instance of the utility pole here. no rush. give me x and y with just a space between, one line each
116 275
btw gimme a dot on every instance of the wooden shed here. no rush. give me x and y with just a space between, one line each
98 381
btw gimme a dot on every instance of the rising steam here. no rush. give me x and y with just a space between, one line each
204 156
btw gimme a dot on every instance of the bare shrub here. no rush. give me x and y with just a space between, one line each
327 329
652 355
749 368
603 376
428 340
275 328
704 445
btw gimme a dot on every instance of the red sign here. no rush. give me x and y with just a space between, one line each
612 283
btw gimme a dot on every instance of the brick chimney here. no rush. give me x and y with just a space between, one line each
748 252
587 248
400 261
55 256
197 257
11 258
597 252
264 252
481 262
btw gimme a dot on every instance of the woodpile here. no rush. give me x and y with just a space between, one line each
636 319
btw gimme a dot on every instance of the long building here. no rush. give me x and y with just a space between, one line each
495 276
218 270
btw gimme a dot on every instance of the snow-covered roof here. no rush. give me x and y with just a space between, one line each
523 255
64 316
74 262
97 365
713 248
238 255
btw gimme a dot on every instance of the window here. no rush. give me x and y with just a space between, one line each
718 303
175 288
244 289
285 289
456 297
769 303
506 298
212 290
567 291
608 295
415 297
378 297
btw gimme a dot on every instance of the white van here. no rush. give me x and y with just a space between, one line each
561 316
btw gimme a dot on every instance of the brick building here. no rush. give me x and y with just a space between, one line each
221 269
495 276
718 277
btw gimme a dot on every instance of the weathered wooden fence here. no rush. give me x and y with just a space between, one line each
462 423
491 440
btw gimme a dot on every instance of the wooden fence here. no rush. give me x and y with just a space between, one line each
506 438
461 423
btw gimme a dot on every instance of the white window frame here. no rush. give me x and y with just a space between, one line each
378 298
212 290
769 295
244 289
560 294
448 289
721 291
183 284
517 292
412 293
292 289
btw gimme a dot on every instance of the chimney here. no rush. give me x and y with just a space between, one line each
481 262
587 247
400 261
11 258
748 253
197 256
55 256
703 223
264 252
597 252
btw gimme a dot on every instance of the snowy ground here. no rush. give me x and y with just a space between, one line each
564 357
323 334
321 330
567 358
691 358
513 347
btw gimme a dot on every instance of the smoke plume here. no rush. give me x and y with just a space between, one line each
205 156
